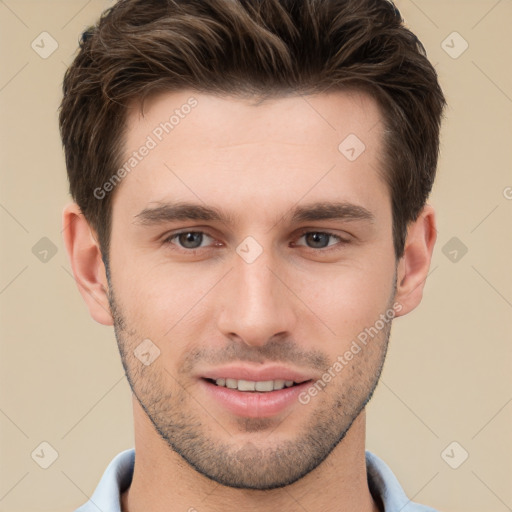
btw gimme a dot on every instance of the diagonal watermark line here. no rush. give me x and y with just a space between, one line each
317 112
409 408
88 497
65 227
198 402
303 196
508 508
3 3
14 76
80 286
208 494
424 280
492 81
14 485
13 423
410 500
170 170
424 13
278 425
379 121
75 15
12 280
485 218
196 303
105 394
502 296
501 409
486 14
14 218
302 301
295 499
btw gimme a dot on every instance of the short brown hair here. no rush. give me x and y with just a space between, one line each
254 48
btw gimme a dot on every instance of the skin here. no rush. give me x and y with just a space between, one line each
299 303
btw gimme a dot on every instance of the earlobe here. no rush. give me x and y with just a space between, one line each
414 265
86 262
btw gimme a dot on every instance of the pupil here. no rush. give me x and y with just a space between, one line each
190 240
318 239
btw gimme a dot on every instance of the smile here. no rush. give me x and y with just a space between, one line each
250 385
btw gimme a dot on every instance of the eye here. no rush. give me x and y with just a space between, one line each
188 239
321 239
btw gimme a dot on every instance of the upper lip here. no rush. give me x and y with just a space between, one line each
265 373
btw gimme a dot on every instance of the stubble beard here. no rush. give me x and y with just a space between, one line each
263 464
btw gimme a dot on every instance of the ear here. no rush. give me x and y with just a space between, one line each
85 257
414 265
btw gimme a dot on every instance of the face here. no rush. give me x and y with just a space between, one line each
252 277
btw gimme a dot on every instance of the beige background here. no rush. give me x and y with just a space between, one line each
448 373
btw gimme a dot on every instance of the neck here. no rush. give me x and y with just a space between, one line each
163 481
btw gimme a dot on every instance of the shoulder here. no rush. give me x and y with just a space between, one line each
116 478
384 484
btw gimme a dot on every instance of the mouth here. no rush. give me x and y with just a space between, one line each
253 398
254 391
260 386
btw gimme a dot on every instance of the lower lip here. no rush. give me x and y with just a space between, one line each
254 404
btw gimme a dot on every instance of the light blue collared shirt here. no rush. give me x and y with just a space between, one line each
118 476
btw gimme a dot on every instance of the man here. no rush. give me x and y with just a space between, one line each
250 182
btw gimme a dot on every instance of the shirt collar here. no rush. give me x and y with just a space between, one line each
118 476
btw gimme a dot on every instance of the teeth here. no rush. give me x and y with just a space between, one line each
246 385
231 383
279 384
251 385
266 385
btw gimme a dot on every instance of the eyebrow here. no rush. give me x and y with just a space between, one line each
169 212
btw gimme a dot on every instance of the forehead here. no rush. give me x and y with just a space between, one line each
222 116
198 145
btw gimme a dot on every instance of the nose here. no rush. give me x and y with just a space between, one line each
257 304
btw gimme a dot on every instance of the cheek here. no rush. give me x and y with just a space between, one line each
349 299
161 299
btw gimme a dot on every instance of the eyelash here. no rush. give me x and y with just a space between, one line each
341 241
